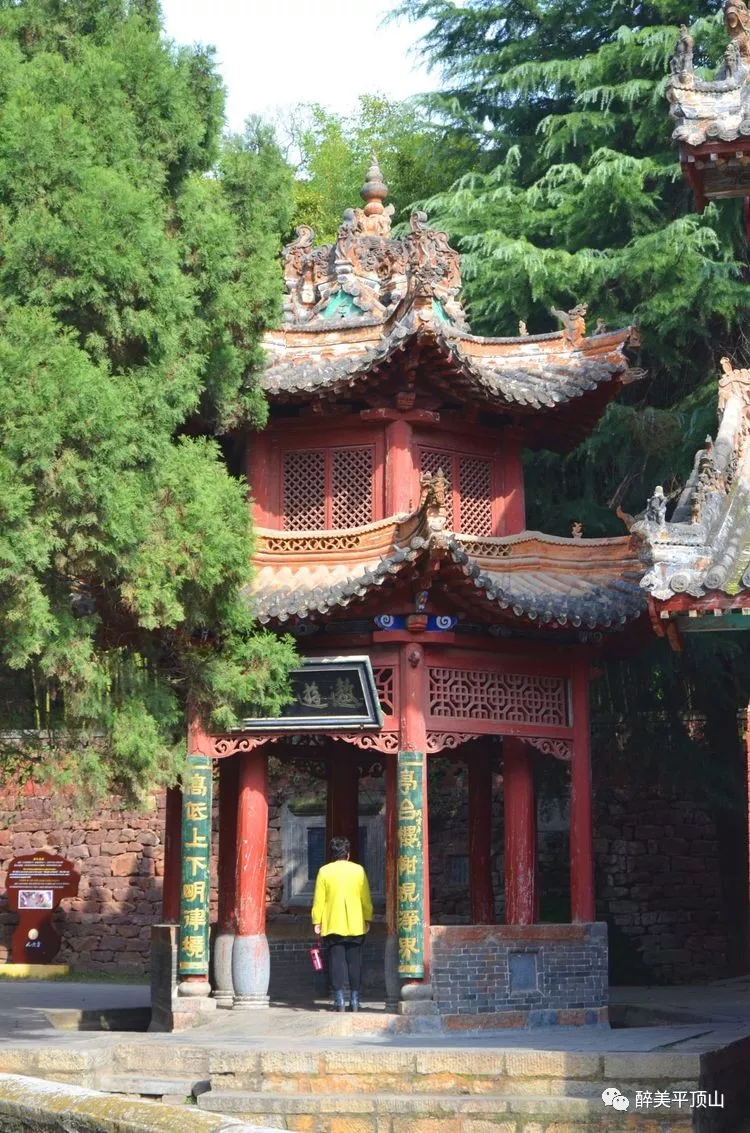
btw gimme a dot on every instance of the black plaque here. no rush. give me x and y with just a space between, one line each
330 694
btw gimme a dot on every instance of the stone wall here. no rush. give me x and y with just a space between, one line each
541 974
661 880
119 855
660 884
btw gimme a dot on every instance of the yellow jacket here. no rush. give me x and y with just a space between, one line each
342 901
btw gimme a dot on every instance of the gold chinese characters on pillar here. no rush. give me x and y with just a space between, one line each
196 864
410 897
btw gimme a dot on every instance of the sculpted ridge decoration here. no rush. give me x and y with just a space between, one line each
705 545
717 109
368 272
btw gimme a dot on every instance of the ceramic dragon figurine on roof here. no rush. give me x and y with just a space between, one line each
368 273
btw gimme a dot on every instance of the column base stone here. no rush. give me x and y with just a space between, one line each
251 971
416 999
194 989
250 1002
223 991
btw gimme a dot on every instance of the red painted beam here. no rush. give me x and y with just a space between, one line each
520 833
480 838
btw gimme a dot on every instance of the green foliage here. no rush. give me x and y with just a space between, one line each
138 272
417 157
577 195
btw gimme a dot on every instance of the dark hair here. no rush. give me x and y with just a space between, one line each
340 848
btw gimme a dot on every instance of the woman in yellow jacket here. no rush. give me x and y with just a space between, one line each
341 915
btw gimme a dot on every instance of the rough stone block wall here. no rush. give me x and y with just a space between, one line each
497 968
120 857
659 881
449 840
659 878
294 980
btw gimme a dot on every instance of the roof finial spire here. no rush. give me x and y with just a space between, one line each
374 191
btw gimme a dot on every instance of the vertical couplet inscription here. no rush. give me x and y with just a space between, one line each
410 865
196 862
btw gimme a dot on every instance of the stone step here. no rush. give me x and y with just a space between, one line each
369 1070
435 1071
439 1113
138 1085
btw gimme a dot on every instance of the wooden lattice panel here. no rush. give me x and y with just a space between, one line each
305 490
433 461
475 487
351 487
475 694
385 690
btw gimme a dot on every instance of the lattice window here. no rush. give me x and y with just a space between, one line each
351 487
475 487
305 490
474 694
432 460
384 686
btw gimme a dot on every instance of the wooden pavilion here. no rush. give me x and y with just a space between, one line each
388 501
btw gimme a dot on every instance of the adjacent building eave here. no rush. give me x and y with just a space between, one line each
704 549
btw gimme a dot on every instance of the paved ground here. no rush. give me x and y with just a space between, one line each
695 1019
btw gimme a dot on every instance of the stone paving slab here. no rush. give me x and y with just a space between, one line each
22 1021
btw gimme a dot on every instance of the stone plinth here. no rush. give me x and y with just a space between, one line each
169 1010
517 975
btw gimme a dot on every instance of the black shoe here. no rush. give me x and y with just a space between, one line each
338 1001
355 1001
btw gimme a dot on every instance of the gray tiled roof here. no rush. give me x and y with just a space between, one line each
597 597
536 372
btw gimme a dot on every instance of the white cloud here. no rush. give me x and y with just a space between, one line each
274 54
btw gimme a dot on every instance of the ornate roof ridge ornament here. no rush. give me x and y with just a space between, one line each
370 274
712 117
705 545
374 191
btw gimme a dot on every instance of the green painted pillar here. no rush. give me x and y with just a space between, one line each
410 902
195 888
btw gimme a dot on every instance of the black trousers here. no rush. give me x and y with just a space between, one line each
344 959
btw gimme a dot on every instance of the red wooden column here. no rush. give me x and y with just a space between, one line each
250 958
342 799
515 500
399 469
581 823
520 832
172 856
227 868
480 838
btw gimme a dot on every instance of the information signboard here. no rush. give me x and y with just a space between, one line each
36 884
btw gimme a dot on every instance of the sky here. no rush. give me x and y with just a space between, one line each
275 53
